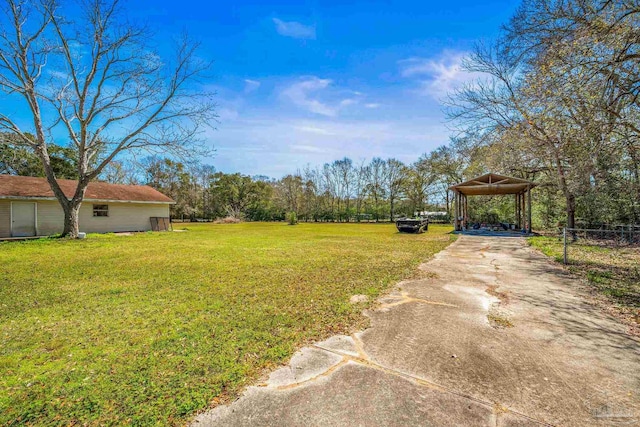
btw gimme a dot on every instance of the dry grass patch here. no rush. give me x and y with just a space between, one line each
499 320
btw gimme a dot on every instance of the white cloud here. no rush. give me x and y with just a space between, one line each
319 96
314 129
307 148
372 105
439 76
295 29
348 101
299 94
250 85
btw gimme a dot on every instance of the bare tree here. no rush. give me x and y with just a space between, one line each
360 187
290 189
343 173
394 182
446 167
376 174
313 192
99 80
118 172
419 178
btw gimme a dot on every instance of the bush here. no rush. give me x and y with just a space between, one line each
292 218
227 220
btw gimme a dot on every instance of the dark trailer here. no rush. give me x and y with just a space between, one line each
412 225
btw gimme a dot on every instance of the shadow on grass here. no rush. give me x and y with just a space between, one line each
621 284
611 272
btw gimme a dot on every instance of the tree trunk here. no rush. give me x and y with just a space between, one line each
571 211
375 206
447 201
564 187
71 210
636 174
71 226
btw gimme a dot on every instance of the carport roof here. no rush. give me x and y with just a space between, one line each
491 184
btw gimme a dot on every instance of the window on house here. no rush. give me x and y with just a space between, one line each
100 210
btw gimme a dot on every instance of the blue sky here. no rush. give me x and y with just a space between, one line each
309 82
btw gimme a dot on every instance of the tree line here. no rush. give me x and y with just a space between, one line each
342 190
338 191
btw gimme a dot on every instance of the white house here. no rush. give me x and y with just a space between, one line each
29 208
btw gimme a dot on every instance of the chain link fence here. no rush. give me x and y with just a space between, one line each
619 236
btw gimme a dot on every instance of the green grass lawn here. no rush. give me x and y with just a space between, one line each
151 328
613 273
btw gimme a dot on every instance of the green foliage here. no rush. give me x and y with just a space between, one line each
177 181
339 191
20 160
239 195
151 328
292 218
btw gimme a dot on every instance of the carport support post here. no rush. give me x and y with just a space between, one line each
459 212
466 212
515 212
456 212
523 211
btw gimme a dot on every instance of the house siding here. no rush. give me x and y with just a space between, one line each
5 218
50 218
122 217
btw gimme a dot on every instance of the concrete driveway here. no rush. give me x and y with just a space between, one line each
494 335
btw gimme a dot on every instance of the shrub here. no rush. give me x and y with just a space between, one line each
227 220
292 218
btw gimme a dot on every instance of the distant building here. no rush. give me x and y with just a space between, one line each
29 208
430 214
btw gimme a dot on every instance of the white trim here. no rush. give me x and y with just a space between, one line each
30 198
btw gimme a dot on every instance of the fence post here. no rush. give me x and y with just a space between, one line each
564 235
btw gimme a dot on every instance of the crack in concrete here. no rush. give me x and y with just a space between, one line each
496 408
359 346
407 299
364 360
326 373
